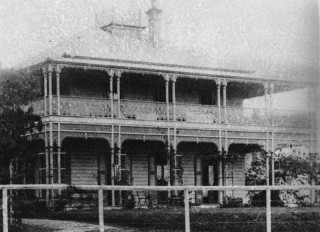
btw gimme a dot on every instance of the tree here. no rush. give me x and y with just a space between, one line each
17 89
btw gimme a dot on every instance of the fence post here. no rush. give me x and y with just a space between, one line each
268 195
186 210
5 209
100 202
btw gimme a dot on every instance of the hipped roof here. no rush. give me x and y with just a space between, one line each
95 47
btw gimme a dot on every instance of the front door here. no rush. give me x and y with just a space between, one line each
162 174
210 178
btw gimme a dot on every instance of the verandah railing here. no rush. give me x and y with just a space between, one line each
185 189
185 112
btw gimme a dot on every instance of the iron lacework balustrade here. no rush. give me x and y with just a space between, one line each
191 113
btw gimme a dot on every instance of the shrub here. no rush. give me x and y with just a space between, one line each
292 167
129 202
231 202
258 199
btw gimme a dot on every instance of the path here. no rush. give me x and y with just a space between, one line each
69 226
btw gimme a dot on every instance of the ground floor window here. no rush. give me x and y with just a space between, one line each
62 168
41 168
228 173
44 164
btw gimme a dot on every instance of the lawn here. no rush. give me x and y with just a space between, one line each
28 228
217 219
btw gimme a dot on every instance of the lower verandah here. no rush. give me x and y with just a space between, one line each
151 168
143 163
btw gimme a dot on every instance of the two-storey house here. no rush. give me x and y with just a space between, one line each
118 104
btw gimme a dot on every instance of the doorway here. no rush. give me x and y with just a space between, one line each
162 177
210 177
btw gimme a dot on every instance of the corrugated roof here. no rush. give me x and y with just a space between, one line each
96 44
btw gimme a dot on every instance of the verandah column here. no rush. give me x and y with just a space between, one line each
220 199
177 157
168 160
271 89
266 107
218 84
50 87
59 156
45 88
46 151
118 91
166 78
111 74
119 160
58 71
271 151
173 79
113 201
51 155
223 164
224 86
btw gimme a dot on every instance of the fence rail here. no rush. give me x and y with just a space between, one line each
185 189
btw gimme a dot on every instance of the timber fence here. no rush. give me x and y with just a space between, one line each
187 213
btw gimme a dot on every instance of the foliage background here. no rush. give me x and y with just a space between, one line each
292 166
17 89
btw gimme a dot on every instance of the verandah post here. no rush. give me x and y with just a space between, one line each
111 74
186 210
118 93
166 78
271 90
58 71
5 209
45 90
224 89
268 169
272 157
113 201
101 217
50 70
218 85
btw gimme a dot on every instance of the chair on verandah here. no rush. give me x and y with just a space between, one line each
143 197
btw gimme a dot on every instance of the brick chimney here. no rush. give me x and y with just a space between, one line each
155 24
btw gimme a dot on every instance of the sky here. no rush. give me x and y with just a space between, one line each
267 36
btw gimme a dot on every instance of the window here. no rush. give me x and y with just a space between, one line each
229 176
62 168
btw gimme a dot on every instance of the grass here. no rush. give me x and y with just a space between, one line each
28 228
